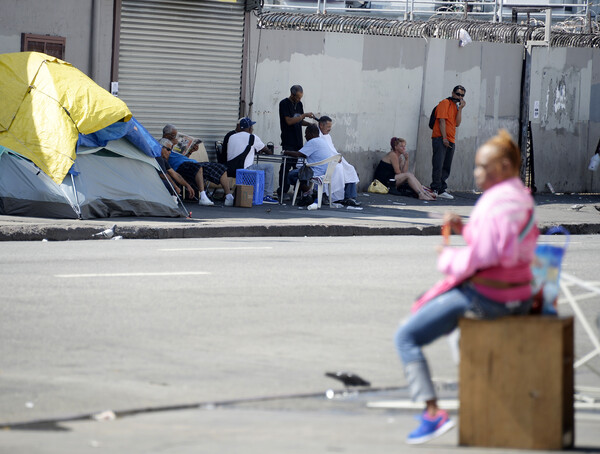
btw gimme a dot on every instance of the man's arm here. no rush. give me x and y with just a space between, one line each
459 113
295 154
265 150
179 179
443 131
300 118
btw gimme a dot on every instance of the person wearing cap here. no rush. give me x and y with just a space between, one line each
223 158
195 172
239 142
291 120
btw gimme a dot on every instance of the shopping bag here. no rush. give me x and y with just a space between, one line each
377 187
546 274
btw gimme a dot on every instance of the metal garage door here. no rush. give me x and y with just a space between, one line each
180 62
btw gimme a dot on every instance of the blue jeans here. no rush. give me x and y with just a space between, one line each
350 191
269 177
438 317
441 162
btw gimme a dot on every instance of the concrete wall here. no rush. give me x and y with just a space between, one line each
491 74
377 87
565 82
86 25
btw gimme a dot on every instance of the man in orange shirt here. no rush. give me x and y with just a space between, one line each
447 118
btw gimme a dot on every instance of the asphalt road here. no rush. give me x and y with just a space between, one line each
87 326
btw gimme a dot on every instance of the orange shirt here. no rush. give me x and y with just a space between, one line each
447 110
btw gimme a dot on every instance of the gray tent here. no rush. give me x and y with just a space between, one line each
115 180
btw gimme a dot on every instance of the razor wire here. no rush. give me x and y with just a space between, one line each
564 34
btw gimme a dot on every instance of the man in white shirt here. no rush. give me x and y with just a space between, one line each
237 146
345 178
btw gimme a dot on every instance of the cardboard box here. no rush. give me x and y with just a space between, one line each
516 382
243 195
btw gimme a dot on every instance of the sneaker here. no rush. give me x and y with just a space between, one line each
205 202
445 195
430 428
351 203
228 202
270 200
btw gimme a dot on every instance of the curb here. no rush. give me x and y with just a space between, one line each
53 233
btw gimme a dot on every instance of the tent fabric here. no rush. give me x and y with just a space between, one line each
116 180
131 130
27 191
121 147
47 103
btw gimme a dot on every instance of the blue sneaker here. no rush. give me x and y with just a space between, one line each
430 428
270 200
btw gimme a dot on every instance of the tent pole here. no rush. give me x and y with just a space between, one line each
78 210
187 213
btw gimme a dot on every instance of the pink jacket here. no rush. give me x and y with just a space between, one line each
494 250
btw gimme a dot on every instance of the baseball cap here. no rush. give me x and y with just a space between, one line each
245 123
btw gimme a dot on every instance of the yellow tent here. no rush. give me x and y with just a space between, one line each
46 103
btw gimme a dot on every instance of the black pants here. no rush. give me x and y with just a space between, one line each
290 163
441 162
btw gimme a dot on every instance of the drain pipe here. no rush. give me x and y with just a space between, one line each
526 89
94 40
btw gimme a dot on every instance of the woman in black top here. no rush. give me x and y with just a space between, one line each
394 166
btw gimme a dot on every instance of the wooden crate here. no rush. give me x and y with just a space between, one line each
516 383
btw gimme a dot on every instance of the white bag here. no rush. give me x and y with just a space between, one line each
594 162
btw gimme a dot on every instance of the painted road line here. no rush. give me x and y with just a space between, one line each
175 273
240 248
453 404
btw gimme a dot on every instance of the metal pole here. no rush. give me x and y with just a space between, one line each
525 96
501 9
548 26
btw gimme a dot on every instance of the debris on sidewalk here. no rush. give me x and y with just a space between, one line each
577 207
108 233
354 208
348 378
107 415
29 405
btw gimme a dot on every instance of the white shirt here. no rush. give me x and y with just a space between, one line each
238 143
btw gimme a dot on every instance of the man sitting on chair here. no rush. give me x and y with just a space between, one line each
343 183
195 172
314 150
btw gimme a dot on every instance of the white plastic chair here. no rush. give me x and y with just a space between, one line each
321 179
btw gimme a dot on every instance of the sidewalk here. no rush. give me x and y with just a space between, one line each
381 215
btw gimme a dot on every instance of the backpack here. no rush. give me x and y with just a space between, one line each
238 161
432 116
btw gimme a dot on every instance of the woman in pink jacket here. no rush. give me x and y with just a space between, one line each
490 277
